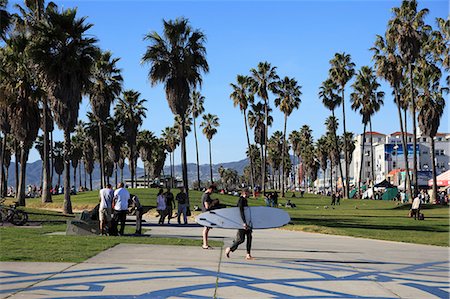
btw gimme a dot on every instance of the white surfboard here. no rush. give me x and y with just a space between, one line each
257 217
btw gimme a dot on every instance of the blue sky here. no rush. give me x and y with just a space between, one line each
299 37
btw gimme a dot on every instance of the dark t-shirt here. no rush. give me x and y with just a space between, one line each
169 199
181 198
243 202
206 197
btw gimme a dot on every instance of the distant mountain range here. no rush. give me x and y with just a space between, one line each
34 172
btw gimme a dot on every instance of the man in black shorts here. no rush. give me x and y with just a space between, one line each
206 206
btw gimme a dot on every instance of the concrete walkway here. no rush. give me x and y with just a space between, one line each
287 265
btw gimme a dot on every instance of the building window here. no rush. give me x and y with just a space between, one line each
379 139
424 152
368 163
439 152
424 139
409 139
394 164
439 139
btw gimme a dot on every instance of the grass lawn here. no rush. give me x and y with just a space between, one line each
383 220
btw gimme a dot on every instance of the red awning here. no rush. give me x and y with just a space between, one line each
443 179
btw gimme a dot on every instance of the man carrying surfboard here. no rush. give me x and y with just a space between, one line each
206 206
246 231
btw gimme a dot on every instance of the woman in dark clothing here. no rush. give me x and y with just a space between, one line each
243 232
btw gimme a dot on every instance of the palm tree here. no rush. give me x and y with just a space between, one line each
196 109
171 140
5 17
294 140
274 156
288 92
368 100
341 71
307 148
209 124
389 67
331 99
242 97
64 56
407 30
322 155
21 92
5 127
114 145
76 154
431 103
263 79
58 156
439 45
144 147
130 112
331 123
256 120
177 59
104 88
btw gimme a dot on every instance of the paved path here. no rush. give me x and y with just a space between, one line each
288 265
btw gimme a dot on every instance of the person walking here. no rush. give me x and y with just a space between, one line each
170 204
206 206
182 201
120 205
136 209
105 209
416 207
161 206
245 232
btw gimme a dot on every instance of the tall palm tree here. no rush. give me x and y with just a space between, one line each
196 109
368 100
209 124
5 17
22 93
76 154
256 120
341 71
307 148
145 147
105 86
389 67
407 30
294 140
64 56
171 140
58 162
288 98
177 59
331 124
331 100
242 97
322 155
431 104
130 112
263 79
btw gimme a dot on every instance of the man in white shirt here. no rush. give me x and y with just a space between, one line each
416 207
120 205
105 208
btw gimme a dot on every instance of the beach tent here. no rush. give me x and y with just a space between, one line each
390 194
384 184
443 179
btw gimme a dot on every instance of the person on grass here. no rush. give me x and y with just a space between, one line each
120 205
245 232
105 208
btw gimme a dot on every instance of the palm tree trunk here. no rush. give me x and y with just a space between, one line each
404 144
196 152
362 158
121 174
433 166
52 168
331 175
16 165
102 161
414 131
252 173
346 185
371 154
115 173
2 159
339 151
282 156
210 161
79 173
46 195
131 161
266 137
23 167
183 155
263 169
171 168
59 180
75 177
5 186
84 169
90 181
67 202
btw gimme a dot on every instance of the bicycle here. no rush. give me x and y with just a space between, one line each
12 214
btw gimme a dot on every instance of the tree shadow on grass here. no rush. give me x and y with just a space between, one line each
353 223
